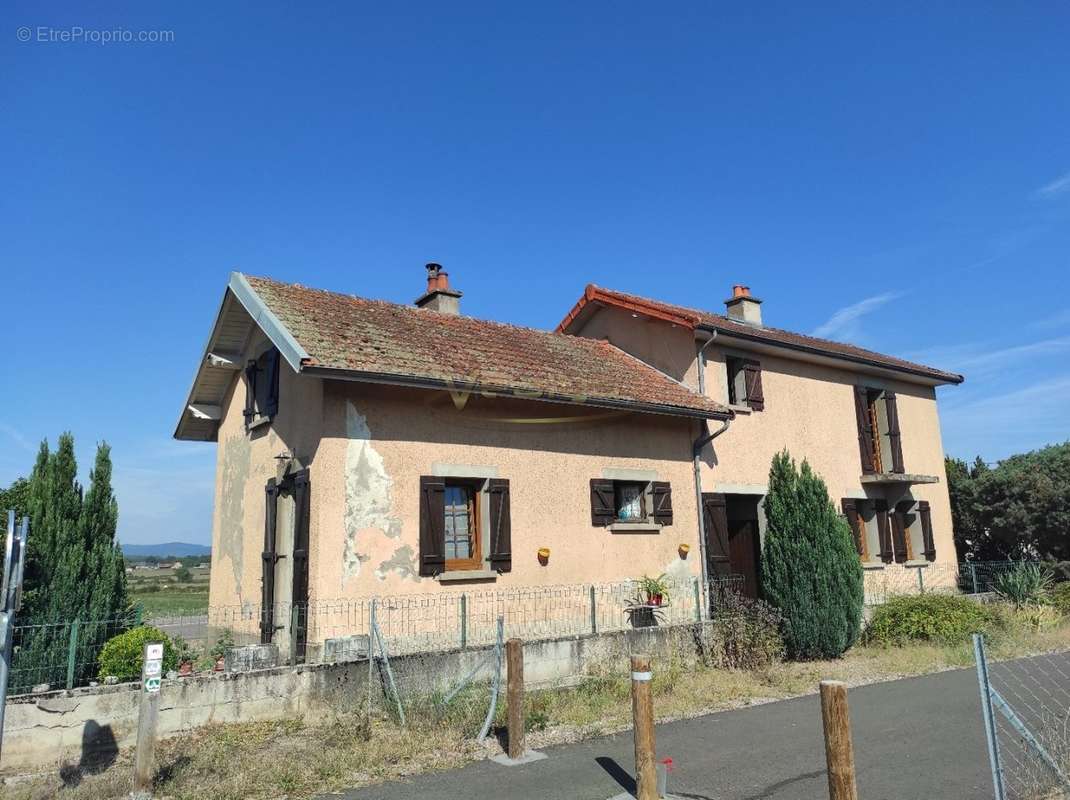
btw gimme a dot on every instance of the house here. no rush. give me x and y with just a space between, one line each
368 448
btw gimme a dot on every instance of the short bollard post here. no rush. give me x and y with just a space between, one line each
514 654
148 712
839 751
646 776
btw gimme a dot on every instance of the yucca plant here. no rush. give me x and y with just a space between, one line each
1025 584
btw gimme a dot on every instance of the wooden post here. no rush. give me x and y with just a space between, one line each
514 655
646 776
839 751
148 713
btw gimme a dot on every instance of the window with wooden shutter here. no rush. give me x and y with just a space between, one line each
857 525
715 520
262 388
501 556
928 543
901 531
268 559
864 420
884 532
752 373
271 383
895 443
661 499
432 525
302 513
250 392
603 502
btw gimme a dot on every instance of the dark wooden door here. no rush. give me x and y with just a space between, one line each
743 553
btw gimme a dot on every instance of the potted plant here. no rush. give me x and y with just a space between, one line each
655 590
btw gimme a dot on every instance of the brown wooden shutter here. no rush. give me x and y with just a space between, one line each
271 379
927 530
752 373
850 509
432 525
661 493
250 391
884 531
895 440
715 518
268 559
865 429
501 535
899 531
603 503
301 491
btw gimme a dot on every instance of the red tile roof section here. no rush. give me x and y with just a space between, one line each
695 318
387 340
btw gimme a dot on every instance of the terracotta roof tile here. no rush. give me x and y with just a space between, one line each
377 338
763 333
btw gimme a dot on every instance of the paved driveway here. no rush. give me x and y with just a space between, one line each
916 738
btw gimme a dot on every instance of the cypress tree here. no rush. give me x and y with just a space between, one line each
74 566
810 568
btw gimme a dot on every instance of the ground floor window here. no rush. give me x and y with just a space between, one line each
461 525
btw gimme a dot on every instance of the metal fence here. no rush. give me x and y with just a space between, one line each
62 654
1025 704
884 581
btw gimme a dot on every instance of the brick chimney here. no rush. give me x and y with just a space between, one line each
439 296
743 307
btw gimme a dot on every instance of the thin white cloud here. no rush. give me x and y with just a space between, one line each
15 436
996 426
1056 187
845 323
978 359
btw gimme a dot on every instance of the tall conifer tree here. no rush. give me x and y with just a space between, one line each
810 568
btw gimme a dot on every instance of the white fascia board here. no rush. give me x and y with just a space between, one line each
280 336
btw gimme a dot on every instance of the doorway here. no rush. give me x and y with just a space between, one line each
733 542
284 579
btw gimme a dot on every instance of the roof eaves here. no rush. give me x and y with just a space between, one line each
921 371
427 382
263 316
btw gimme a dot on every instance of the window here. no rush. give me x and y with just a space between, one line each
461 526
262 388
744 383
464 525
879 439
887 534
617 501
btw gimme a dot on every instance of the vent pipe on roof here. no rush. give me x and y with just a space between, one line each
743 307
439 296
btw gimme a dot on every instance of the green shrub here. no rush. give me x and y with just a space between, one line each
810 568
1025 584
938 618
1060 598
121 655
743 634
183 575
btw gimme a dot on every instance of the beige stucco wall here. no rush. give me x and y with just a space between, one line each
245 460
809 409
365 468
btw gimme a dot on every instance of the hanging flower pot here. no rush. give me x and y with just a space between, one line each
544 555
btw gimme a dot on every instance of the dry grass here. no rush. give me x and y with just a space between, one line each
258 761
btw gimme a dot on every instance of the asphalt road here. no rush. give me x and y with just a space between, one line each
914 738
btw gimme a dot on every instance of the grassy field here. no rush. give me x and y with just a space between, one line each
161 594
292 759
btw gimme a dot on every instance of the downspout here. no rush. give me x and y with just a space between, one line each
696 452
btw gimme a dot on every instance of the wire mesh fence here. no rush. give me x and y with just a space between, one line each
61 655
1026 709
889 580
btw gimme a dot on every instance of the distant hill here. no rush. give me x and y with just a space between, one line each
165 549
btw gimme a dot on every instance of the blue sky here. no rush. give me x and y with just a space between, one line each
897 177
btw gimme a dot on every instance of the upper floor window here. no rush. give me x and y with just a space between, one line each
879 441
745 383
262 388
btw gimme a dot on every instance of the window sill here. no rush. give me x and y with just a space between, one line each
634 527
873 565
467 575
256 422
740 409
